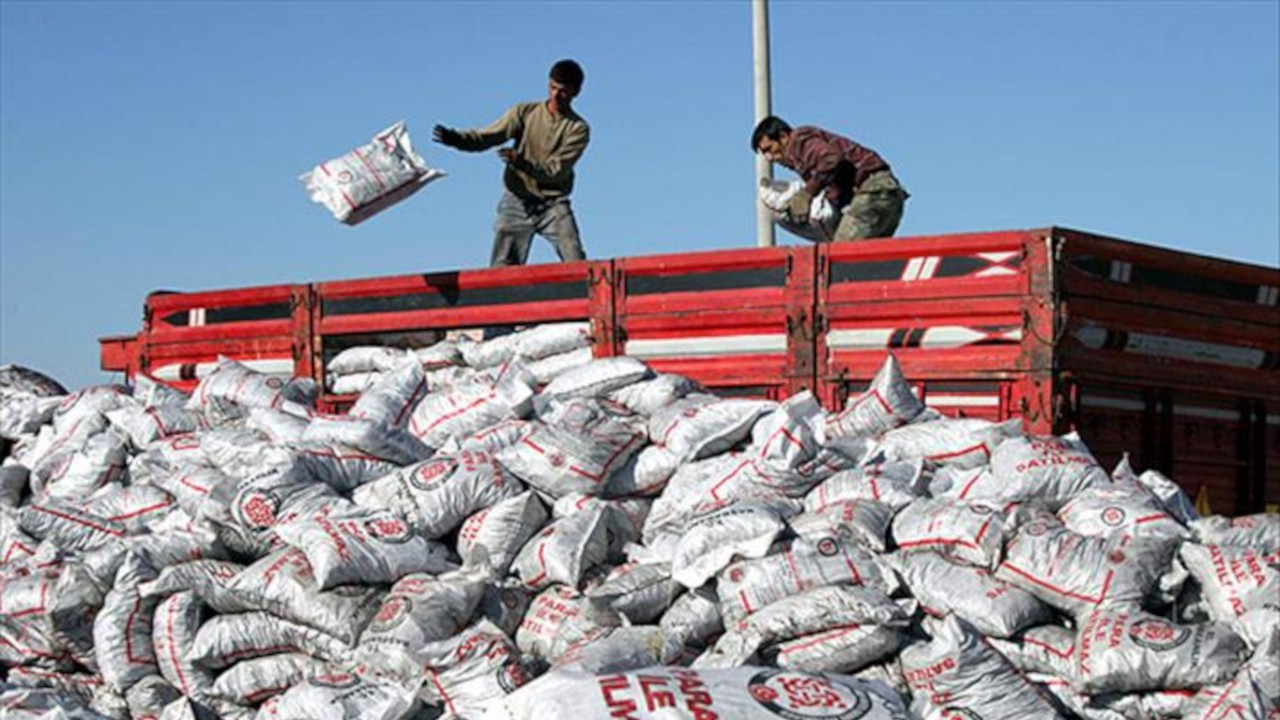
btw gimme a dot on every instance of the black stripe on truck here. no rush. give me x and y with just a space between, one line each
1171 280
475 297
880 270
244 313
707 281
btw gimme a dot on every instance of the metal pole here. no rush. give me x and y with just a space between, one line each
764 169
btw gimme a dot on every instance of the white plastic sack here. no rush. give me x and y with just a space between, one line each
494 536
67 526
968 532
146 425
865 522
649 396
641 593
283 584
418 610
564 550
658 693
102 460
392 399
1253 693
596 379
176 621
747 586
437 495
694 617
850 648
340 696
959 675
712 540
471 669
1047 649
807 613
137 507
619 649
887 404
787 438
246 387
548 369
1260 532
1038 469
1239 584
225 640
472 406
208 579
578 450
366 359
148 698
1076 573
556 619
994 608
699 426
122 629
381 440
1120 507
823 219
253 681
964 443
362 548
894 484
386 168
1128 650
19 380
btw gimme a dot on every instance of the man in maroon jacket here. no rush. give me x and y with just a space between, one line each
854 178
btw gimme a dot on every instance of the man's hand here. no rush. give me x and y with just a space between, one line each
798 207
445 136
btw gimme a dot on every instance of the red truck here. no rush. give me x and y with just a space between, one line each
1170 356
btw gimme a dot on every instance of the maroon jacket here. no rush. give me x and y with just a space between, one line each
830 161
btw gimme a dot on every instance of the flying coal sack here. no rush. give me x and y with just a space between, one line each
509 529
370 178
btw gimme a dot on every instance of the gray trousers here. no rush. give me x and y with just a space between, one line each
518 221
874 211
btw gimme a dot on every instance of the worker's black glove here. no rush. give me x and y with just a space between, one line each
445 136
798 206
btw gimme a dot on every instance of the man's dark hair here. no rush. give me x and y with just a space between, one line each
568 72
771 127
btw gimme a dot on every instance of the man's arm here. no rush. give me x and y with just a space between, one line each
558 166
500 131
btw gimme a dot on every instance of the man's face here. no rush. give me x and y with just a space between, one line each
774 149
561 93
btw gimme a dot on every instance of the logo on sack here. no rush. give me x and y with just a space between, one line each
796 696
980 509
556 459
1038 528
340 681
1157 634
388 529
511 676
957 713
427 475
1116 556
258 509
1113 516
828 547
393 612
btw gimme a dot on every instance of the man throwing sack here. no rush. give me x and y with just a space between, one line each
549 138
854 178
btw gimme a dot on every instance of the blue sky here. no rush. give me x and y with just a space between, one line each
157 145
